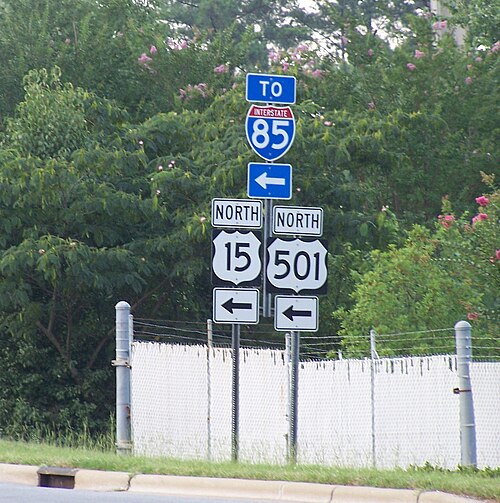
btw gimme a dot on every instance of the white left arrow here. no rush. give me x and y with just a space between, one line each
263 180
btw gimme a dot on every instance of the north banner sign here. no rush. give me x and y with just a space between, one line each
270 131
269 181
245 213
297 220
270 88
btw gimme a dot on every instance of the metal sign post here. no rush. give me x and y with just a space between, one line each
235 406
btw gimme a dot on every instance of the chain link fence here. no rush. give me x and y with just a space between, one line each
381 411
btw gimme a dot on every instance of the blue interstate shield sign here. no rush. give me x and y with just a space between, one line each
270 131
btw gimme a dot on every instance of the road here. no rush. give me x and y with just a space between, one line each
12 493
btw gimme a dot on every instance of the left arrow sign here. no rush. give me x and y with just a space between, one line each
236 305
296 313
231 305
290 313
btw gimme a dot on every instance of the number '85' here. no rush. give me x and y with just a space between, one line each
260 134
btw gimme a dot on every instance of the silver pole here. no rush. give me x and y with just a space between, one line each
373 356
122 364
294 395
209 389
236 392
464 390
268 232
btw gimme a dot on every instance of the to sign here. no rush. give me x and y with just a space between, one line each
233 305
236 257
245 213
269 181
295 220
270 88
270 131
296 265
296 313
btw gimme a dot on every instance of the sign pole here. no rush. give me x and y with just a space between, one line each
268 226
294 395
235 346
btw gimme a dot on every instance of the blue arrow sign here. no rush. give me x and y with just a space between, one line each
270 131
269 181
270 88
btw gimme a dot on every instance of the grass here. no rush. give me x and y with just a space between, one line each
483 484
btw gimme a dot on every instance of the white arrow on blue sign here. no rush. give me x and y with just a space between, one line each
270 88
269 181
270 131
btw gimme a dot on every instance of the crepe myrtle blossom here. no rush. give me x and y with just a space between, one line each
440 25
370 52
472 316
497 254
482 201
446 220
479 217
153 49
220 69
144 59
419 54
317 73
468 80
411 67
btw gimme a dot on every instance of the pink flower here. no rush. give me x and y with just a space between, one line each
479 217
468 80
440 25
285 66
220 69
495 47
411 67
153 49
327 123
497 254
67 41
419 54
317 73
446 221
182 94
344 40
370 52
144 59
472 316
274 56
482 201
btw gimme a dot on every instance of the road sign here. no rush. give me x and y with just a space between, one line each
296 220
269 181
271 88
236 258
246 213
236 305
296 313
297 265
270 131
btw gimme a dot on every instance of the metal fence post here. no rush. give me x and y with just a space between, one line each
464 391
122 364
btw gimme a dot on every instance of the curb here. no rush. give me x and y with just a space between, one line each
298 492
